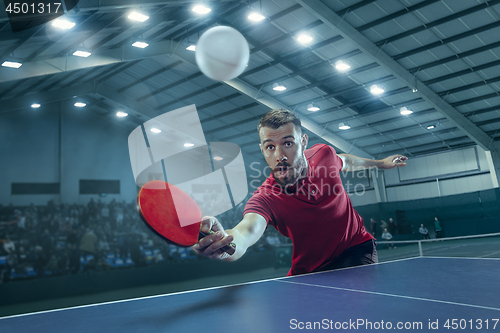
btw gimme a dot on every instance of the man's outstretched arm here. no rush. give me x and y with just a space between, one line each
354 163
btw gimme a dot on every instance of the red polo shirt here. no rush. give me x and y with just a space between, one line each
316 214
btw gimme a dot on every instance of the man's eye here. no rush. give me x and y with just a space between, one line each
288 143
270 147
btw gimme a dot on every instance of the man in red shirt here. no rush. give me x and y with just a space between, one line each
304 199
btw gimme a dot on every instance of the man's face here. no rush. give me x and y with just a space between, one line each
283 149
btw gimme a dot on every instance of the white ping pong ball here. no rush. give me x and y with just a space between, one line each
222 53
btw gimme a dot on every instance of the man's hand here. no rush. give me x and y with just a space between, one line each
210 246
393 161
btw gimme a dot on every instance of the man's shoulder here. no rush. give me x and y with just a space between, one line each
323 155
319 147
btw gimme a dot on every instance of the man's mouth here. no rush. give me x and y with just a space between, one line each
282 172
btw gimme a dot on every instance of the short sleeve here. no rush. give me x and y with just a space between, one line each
337 161
256 204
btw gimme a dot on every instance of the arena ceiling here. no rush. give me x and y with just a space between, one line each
437 58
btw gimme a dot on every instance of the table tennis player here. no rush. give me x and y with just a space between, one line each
304 199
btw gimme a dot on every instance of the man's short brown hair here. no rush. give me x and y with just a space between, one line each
279 117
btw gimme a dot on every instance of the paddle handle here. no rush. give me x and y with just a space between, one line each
229 249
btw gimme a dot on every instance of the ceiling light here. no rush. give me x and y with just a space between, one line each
189 144
140 44
344 126
80 104
256 17
376 90
121 114
191 48
83 54
431 127
63 24
11 64
342 66
138 17
304 38
404 111
35 105
200 9
278 87
218 158
155 130
312 107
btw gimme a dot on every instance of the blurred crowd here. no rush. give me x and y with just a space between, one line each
64 239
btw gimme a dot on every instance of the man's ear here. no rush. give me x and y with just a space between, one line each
261 150
305 140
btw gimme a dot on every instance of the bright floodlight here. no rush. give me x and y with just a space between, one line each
140 44
200 9
431 127
83 54
191 48
80 104
404 111
342 66
121 114
63 24
138 17
376 90
256 17
278 87
343 126
218 158
155 130
312 107
304 38
11 64
35 105
189 144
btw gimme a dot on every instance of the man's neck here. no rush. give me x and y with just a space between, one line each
304 172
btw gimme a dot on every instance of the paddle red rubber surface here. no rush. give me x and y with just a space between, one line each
162 206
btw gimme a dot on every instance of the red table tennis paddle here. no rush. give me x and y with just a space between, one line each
162 206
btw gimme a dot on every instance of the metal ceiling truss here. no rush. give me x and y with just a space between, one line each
447 40
395 15
334 21
150 76
435 23
485 48
462 72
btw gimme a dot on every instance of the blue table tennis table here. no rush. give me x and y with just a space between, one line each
420 294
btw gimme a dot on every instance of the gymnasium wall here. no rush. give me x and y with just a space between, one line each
435 175
92 147
460 215
28 150
458 171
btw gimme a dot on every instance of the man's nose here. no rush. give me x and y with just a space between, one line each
280 157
